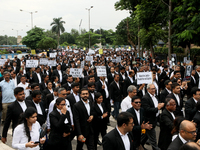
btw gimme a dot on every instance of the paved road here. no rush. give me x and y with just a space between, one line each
113 125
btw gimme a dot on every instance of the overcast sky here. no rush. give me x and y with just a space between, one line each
102 14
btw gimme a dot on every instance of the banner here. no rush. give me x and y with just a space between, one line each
101 71
52 55
52 63
31 63
89 58
76 72
100 51
43 61
2 61
144 77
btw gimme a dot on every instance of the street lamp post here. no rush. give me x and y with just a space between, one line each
31 16
89 22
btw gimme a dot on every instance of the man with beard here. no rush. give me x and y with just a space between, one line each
91 88
83 116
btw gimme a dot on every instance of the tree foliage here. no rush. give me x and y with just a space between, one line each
8 40
67 37
57 26
33 37
47 42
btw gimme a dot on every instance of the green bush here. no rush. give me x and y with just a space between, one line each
19 52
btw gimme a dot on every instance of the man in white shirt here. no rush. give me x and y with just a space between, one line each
187 133
120 137
24 85
126 102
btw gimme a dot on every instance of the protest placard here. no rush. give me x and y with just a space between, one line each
89 58
100 51
52 55
2 61
184 59
101 71
52 63
31 63
188 72
144 77
76 72
82 64
118 59
43 61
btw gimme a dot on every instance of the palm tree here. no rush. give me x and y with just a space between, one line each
57 26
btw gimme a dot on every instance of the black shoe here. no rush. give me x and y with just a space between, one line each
0 137
99 143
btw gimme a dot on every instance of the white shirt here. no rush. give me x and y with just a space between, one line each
15 81
193 79
92 95
172 114
26 91
77 98
156 86
87 106
137 112
60 73
126 103
168 90
23 105
20 139
182 139
125 139
39 77
100 107
123 76
177 98
39 110
51 105
117 84
131 79
155 101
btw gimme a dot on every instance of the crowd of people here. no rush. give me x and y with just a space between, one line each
81 106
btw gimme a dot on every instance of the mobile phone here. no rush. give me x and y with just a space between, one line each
36 142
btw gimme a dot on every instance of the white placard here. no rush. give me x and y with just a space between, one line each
76 51
114 60
76 72
118 59
31 63
144 77
185 59
89 58
52 63
82 64
2 61
52 55
101 71
43 61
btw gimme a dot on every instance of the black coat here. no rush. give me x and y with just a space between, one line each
137 126
163 95
127 83
55 73
115 92
71 100
175 144
113 141
102 91
197 121
13 114
35 78
150 109
40 118
58 127
82 126
166 126
190 109
178 111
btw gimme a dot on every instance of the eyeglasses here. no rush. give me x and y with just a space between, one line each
64 94
137 102
191 132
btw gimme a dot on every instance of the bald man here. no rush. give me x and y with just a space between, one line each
187 133
190 146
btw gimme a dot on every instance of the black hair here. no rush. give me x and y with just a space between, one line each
35 93
54 77
27 114
18 89
56 89
69 76
134 98
90 71
176 124
22 76
194 90
90 84
115 75
91 76
97 95
124 117
167 82
59 100
174 85
189 146
175 72
84 89
75 84
34 85
44 76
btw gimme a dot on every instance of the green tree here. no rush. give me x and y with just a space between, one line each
58 26
51 34
8 40
67 37
33 37
47 42
83 39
